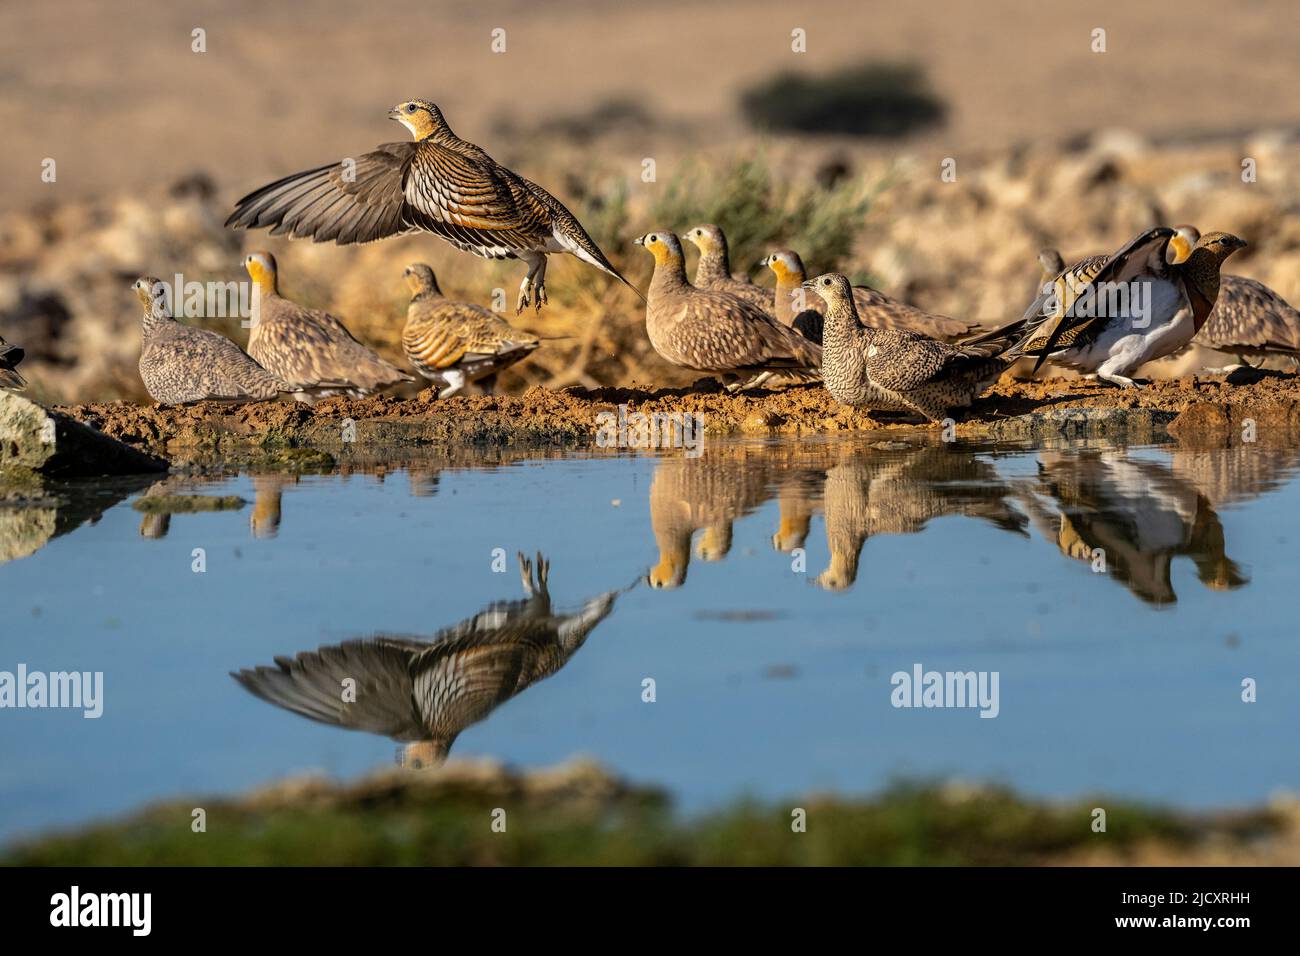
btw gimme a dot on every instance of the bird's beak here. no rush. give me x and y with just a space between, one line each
639 240
1241 243
809 285
394 113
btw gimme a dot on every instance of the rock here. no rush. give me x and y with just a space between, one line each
35 440
1127 425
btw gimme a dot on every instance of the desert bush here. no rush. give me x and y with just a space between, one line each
760 210
873 99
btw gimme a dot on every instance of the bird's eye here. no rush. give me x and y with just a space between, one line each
410 107
826 281
654 238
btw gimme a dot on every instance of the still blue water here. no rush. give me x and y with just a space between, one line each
771 669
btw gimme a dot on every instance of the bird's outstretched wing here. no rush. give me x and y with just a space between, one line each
400 188
1144 255
311 684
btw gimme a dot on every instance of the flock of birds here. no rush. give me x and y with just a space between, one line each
868 350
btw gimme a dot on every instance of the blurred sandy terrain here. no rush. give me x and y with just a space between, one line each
113 92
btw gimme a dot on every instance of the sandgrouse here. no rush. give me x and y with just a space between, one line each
902 370
795 307
438 183
716 331
1249 320
456 343
310 349
180 364
1109 315
714 269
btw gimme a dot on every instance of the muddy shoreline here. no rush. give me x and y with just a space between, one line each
1214 409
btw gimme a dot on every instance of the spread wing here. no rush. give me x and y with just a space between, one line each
311 684
398 188
1144 255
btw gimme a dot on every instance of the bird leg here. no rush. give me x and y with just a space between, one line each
455 380
741 385
533 287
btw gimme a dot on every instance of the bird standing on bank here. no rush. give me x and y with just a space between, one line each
901 370
10 356
716 331
714 269
1249 320
308 348
795 307
180 364
1133 308
439 183
454 344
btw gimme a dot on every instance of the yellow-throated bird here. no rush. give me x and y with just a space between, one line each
440 184
714 268
310 349
1130 308
453 344
804 312
714 331
1249 320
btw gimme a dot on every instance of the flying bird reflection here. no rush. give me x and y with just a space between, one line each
423 691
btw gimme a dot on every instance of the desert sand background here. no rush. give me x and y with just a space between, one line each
113 91
1054 144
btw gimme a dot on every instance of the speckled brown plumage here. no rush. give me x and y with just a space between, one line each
426 691
716 331
1250 319
456 343
896 369
10 356
714 269
310 349
439 184
180 364
796 307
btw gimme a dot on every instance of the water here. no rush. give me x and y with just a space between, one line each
771 678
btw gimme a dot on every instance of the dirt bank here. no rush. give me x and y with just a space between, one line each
1212 409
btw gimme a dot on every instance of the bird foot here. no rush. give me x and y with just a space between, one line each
1119 381
531 292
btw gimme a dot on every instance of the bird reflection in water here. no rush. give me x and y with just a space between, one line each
423 691
879 494
1131 516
